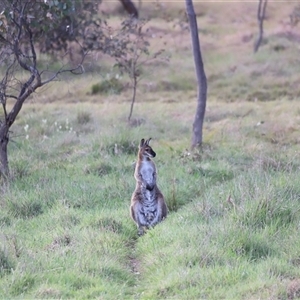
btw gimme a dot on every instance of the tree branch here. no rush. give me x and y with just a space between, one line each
62 70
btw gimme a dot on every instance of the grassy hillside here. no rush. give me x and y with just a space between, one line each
233 225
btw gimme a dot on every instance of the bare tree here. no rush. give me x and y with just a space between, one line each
22 75
130 48
201 77
261 14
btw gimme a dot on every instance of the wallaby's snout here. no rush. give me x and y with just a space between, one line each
150 153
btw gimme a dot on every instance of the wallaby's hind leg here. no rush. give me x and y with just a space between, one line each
161 210
138 217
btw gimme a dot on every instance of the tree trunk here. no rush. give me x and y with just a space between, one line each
261 14
201 77
4 169
133 97
130 8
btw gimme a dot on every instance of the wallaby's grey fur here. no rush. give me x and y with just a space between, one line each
148 206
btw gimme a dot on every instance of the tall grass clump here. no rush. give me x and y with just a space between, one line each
83 117
24 206
6 262
22 285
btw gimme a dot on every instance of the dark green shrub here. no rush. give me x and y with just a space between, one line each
109 86
83 117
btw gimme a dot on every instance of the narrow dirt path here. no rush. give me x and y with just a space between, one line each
134 265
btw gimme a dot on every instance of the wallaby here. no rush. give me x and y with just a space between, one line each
148 206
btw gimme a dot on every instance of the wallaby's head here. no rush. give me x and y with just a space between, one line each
145 150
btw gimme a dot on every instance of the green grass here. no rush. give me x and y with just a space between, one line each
216 250
233 226
232 231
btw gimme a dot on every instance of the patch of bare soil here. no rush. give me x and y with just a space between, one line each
293 289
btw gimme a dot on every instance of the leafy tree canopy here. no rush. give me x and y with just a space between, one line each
54 24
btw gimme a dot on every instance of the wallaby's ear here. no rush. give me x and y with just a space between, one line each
147 142
142 143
